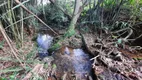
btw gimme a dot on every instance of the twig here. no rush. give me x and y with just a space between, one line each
19 21
120 30
95 60
8 41
18 2
130 33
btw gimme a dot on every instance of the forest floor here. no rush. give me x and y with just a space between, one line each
112 58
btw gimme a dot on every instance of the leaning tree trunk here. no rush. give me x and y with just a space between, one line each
71 29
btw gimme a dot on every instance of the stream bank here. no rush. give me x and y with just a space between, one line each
109 56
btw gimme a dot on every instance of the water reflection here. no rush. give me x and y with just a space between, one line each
73 61
68 60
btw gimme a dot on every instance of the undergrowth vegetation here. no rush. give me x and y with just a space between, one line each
19 26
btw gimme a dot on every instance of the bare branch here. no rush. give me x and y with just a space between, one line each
8 41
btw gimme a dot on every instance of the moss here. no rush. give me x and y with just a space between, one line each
54 47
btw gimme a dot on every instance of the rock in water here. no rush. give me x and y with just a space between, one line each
72 64
44 42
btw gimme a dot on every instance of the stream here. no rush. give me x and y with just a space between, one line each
71 63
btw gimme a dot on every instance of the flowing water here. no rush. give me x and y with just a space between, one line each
68 60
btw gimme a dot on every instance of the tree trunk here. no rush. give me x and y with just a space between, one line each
71 29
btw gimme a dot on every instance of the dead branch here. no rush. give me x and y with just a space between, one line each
130 33
120 30
128 29
10 45
18 2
